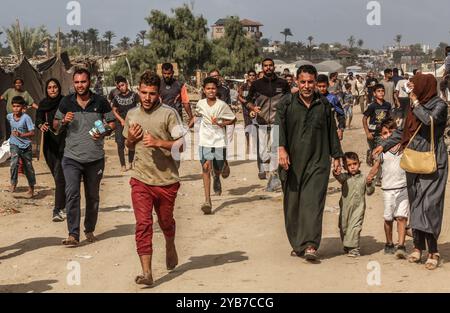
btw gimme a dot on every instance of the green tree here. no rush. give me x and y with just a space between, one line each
141 36
124 43
108 36
93 39
84 38
310 39
234 53
398 40
286 32
351 41
360 43
26 40
181 38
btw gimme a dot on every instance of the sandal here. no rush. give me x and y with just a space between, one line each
296 254
70 241
433 261
144 280
311 254
415 257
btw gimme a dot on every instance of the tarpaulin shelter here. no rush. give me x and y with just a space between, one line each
59 72
32 78
5 83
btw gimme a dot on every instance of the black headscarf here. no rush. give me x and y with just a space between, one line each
48 104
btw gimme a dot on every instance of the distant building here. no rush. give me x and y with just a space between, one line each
252 28
275 47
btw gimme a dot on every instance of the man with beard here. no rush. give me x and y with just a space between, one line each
173 93
264 96
155 132
84 156
308 141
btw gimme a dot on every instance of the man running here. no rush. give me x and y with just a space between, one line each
84 155
264 96
173 93
154 130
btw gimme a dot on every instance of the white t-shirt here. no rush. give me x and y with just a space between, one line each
212 135
394 177
401 88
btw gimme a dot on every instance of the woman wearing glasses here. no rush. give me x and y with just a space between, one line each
53 147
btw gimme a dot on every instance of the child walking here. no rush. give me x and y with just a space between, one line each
352 203
22 130
215 116
395 193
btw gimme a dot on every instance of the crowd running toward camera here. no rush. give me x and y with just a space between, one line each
294 121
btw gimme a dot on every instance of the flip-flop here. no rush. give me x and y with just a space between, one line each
142 280
415 257
311 255
433 262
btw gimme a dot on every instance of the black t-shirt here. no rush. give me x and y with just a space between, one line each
377 114
125 103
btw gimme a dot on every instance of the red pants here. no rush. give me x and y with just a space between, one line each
144 198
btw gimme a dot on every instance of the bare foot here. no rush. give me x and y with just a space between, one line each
171 256
145 279
12 189
124 169
91 238
30 193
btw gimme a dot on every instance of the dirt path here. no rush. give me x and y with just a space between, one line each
241 248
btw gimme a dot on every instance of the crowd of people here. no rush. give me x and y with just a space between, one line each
297 122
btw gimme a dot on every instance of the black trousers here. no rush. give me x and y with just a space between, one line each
120 140
53 158
420 237
92 174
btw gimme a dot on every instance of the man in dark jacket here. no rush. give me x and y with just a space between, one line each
263 97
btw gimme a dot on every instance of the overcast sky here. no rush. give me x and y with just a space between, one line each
421 21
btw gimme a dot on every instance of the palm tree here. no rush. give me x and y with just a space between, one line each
85 38
124 43
310 39
26 41
109 35
93 38
398 40
286 32
141 36
360 43
76 35
351 41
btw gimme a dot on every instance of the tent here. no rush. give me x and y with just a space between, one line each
329 67
33 80
58 70
302 62
5 83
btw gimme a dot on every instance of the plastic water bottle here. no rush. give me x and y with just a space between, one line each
99 126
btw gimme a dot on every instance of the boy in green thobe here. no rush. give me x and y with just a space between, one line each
352 203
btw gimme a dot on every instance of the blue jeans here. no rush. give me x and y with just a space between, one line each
27 156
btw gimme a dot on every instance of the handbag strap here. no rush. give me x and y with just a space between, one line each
432 134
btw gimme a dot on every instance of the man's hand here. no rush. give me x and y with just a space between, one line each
369 179
337 166
283 158
16 133
377 151
370 136
44 127
149 141
97 136
68 118
135 133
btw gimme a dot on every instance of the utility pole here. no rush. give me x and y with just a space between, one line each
20 40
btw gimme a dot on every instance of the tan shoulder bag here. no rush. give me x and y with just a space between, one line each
419 162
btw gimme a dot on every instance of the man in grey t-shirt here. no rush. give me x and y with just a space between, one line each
84 155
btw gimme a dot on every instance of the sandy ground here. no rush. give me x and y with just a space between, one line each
241 248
